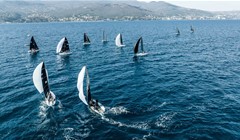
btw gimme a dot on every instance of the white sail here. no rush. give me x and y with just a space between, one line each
118 41
80 85
37 80
60 44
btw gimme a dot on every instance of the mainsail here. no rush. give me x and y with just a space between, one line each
80 85
40 79
139 42
63 46
86 39
33 44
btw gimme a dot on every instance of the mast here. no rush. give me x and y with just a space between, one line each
89 97
142 44
121 41
44 77
103 36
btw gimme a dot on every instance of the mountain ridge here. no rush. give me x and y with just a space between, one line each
49 11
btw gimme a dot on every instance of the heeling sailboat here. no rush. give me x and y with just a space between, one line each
86 40
33 46
94 105
136 48
104 39
40 80
119 41
63 47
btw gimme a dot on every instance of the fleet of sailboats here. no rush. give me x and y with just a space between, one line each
40 74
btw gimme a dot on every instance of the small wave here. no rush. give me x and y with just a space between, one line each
145 137
68 133
164 120
43 109
60 106
117 110
155 107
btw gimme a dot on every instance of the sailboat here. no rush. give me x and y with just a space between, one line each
94 105
136 48
104 39
192 30
178 32
86 40
63 47
33 46
40 80
119 41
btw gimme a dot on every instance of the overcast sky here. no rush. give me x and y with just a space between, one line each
212 5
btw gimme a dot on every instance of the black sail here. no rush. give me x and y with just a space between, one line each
121 41
89 97
33 44
65 46
45 81
86 39
137 45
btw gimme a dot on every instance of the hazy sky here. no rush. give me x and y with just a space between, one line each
212 5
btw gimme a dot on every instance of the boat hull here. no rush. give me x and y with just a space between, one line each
121 46
64 53
100 110
86 44
141 54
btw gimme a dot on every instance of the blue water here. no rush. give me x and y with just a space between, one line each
187 87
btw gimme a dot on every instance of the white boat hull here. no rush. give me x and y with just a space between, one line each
121 45
64 53
85 44
141 54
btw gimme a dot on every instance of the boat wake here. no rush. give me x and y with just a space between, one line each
137 125
44 107
155 107
165 120
122 110
117 110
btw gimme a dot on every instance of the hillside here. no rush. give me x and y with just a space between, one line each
47 11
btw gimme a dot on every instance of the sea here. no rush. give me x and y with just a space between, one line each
187 87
